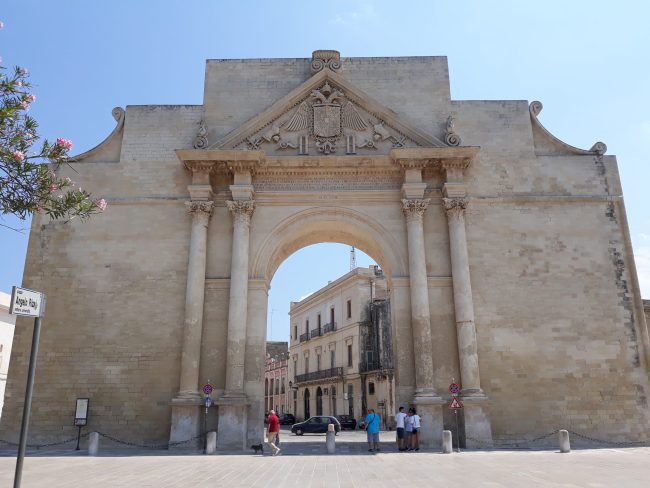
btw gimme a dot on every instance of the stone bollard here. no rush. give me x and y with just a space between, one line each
447 445
330 441
565 444
211 445
93 443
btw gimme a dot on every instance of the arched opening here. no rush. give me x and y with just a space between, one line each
319 401
306 406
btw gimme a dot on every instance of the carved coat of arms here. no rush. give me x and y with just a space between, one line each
325 113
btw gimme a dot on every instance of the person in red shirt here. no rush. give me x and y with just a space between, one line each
272 431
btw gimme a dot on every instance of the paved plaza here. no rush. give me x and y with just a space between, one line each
303 463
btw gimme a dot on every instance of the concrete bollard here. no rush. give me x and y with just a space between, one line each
565 444
211 445
330 440
447 446
93 443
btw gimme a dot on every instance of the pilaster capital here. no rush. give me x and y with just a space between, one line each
414 208
200 209
454 206
242 210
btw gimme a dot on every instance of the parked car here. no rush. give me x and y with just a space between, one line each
287 419
316 425
347 422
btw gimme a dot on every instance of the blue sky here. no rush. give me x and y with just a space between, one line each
587 62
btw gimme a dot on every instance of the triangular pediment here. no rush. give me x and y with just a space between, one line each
326 115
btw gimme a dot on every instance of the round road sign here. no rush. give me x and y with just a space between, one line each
207 388
454 388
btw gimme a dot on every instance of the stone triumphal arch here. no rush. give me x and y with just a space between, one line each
508 254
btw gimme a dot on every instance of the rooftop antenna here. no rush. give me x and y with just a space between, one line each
353 258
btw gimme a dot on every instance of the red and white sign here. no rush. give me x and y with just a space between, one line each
455 404
207 388
454 389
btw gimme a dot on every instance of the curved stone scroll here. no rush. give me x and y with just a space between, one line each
546 144
110 146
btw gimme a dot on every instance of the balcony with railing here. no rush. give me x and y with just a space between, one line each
368 366
319 375
304 337
331 327
316 333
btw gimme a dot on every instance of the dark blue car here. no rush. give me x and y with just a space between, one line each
316 425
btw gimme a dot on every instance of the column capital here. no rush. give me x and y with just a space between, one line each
200 208
454 206
414 208
242 210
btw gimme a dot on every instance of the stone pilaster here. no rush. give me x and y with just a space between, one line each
242 211
194 296
420 318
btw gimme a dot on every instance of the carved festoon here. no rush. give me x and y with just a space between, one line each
451 138
454 206
201 139
414 208
325 59
241 210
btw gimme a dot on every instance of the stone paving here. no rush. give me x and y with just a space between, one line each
303 463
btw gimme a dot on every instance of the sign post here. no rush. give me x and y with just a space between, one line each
29 303
455 404
207 390
81 416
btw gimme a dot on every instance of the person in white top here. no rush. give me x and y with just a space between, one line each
399 425
414 419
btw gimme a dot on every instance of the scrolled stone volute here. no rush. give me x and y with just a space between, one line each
454 206
325 59
414 208
242 210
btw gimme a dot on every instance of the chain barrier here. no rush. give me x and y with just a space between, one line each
614 443
512 444
41 446
111 438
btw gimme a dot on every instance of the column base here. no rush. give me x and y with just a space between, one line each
232 430
185 424
429 408
478 428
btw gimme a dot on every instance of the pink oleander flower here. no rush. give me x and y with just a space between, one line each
23 71
101 204
19 156
64 143
68 181
31 98
24 105
19 83
52 188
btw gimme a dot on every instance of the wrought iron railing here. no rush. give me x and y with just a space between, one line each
304 337
316 333
367 366
331 327
319 375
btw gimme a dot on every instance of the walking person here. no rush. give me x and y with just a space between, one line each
372 430
415 436
399 427
272 432
408 430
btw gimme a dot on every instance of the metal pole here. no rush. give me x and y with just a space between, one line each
78 437
27 408
457 436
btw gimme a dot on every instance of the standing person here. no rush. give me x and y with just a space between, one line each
372 430
408 430
399 425
272 431
415 437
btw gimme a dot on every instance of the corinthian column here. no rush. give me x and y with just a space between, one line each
463 304
242 210
194 296
420 319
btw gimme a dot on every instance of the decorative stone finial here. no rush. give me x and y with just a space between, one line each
325 59
451 138
201 139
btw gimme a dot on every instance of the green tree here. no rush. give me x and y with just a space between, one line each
28 178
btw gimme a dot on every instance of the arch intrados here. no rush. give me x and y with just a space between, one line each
328 224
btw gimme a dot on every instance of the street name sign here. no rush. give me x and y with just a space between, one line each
26 302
